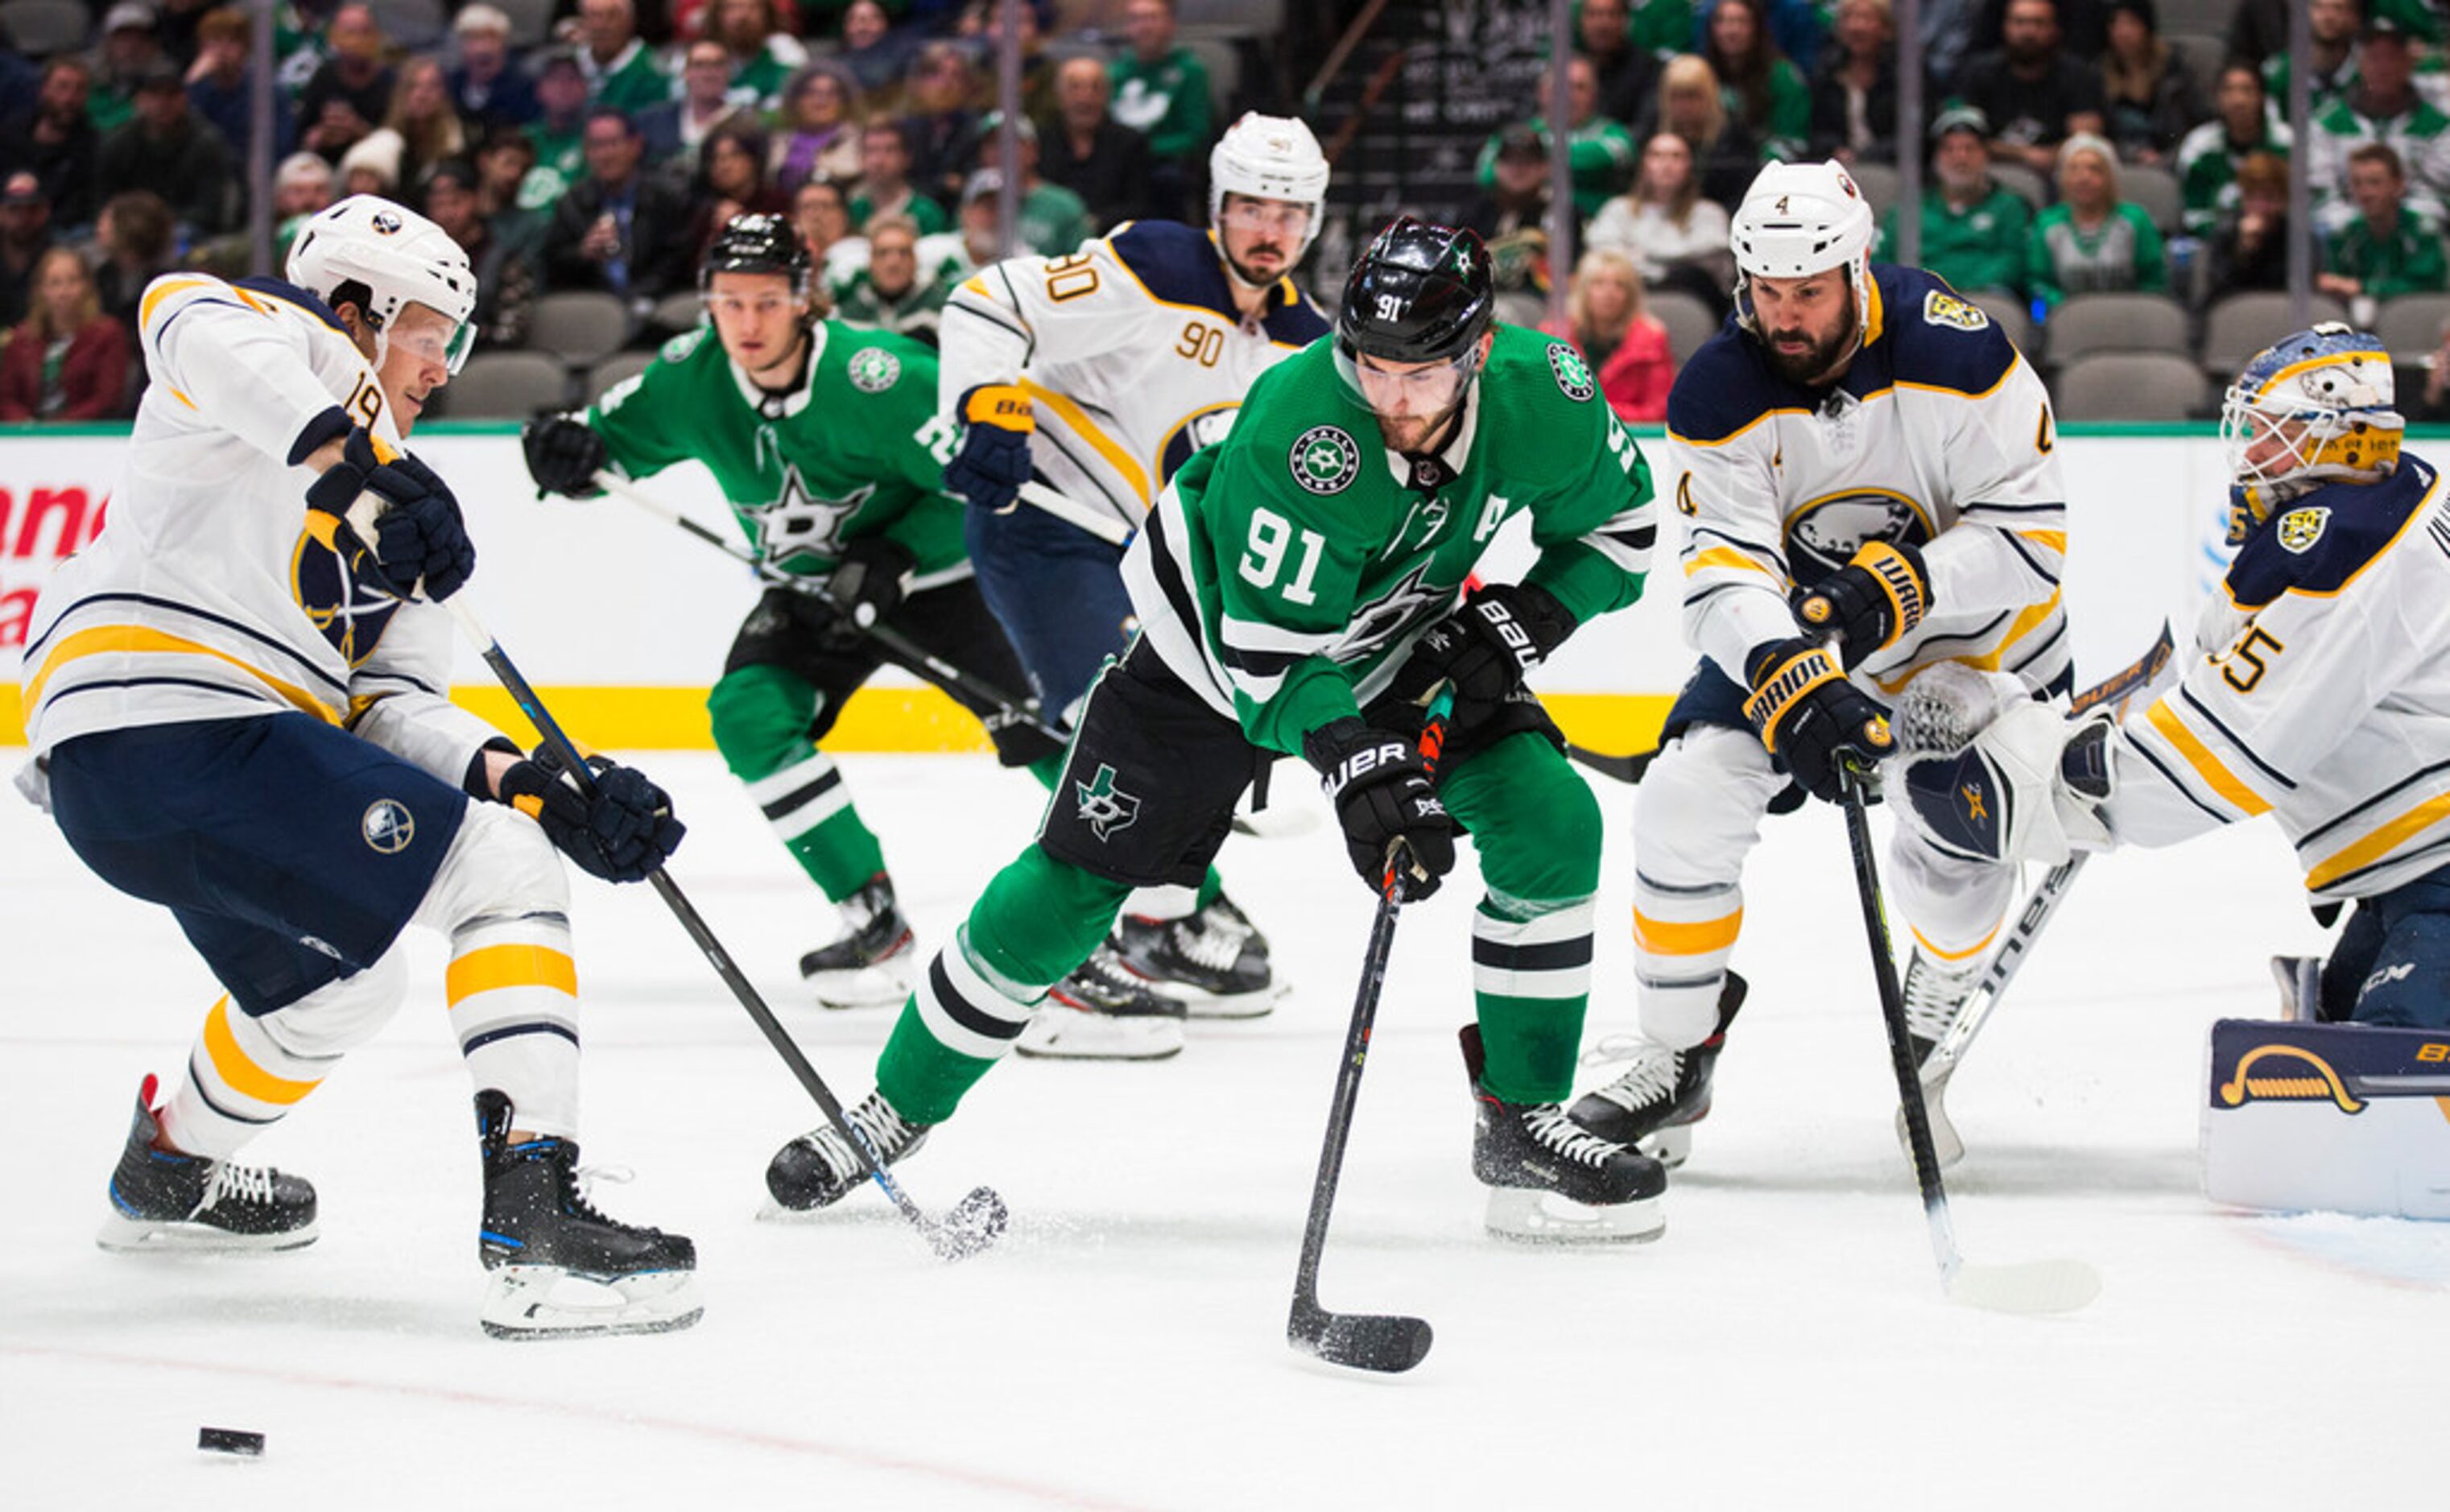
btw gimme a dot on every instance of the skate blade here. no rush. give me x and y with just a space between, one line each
1068 1034
1669 1146
544 1302
121 1234
886 985
1254 1004
1548 1218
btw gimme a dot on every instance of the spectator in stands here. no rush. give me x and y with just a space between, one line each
512 217
1511 218
2332 71
982 27
1948 29
885 186
941 123
301 186
426 120
1674 238
55 141
1725 153
2434 407
219 87
675 129
506 288
1161 91
2149 97
139 244
1760 88
876 54
2092 241
351 91
1623 343
1092 154
372 166
2031 92
131 46
1973 231
763 55
65 360
2391 248
731 180
1599 152
486 89
2208 159
619 229
2249 247
1629 75
2382 106
821 213
620 70
890 292
819 134
168 150
1855 90
558 132
1052 221
25 236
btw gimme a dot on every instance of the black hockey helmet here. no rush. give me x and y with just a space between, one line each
757 244
1420 293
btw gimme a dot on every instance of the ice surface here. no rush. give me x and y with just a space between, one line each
1784 1345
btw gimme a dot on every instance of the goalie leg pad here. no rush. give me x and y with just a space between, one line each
2327 1118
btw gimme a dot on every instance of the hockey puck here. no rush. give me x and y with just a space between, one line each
230 1441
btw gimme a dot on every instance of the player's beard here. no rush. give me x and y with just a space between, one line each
1251 278
1819 365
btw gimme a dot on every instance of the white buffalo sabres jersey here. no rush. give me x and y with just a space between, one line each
1131 349
1939 435
2320 691
205 597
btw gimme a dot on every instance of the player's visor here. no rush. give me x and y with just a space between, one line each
1406 390
427 344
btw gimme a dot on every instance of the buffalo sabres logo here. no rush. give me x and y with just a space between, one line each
873 369
388 826
1105 807
1193 437
1825 534
1325 460
1573 374
348 615
2299 530
386 222
799 524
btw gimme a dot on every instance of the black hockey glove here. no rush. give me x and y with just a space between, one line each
620 831
1809 715
1485 648
1871 601
564 455
393 523
865 585
997 422
1380 787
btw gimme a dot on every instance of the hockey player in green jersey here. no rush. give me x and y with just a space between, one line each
1299 589
826 441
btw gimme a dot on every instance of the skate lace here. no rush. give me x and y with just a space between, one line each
1562 1136
578 1195
1651 1079
239 1184
1207 946
885 1128
1935 998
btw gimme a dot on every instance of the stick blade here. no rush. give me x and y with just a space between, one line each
972 1227
1360 1341
2035 1287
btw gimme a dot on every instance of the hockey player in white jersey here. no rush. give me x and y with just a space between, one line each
236 701
1861 455
2319 690
1098 374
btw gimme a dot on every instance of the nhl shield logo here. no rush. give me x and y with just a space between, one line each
2300 529
1573 374
873 369
1105 807
388 826
1325 460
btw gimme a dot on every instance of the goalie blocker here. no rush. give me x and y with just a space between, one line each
2330 1118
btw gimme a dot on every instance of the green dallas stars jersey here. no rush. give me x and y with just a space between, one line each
1286 572
857 450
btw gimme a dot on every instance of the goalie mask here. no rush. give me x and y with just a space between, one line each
2311 408
380 257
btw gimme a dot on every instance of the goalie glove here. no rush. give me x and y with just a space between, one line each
993 462
1872 601
2028 787
620 828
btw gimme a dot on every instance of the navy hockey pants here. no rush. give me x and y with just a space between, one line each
2392 963
1057 591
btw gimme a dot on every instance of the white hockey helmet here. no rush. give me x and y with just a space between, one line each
1269 157
1799 218
2326 396
396 257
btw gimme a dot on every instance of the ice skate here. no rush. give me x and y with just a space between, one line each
1213 960
1550 1180
162 1199
1936 993
873 963
559 1268
820 1167
1655 1103
1104 1010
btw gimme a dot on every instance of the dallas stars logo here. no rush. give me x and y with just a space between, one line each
1379 620
799 524
1105 807
1573 374
1324 459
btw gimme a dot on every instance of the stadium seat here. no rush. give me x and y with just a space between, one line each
2243 324
2203 53
45 28
530 22
2411 326
1688 321
613 369
678 311
2155 191
1879 183
1224 63
582 327
2130 387
1250 18
2010 312
412 25
506 386
2116 322
2019 180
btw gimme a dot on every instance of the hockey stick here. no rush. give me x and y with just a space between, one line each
903 651
2034 1286
2141 679
1363 1341
1622 768
977 1219
1076 515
